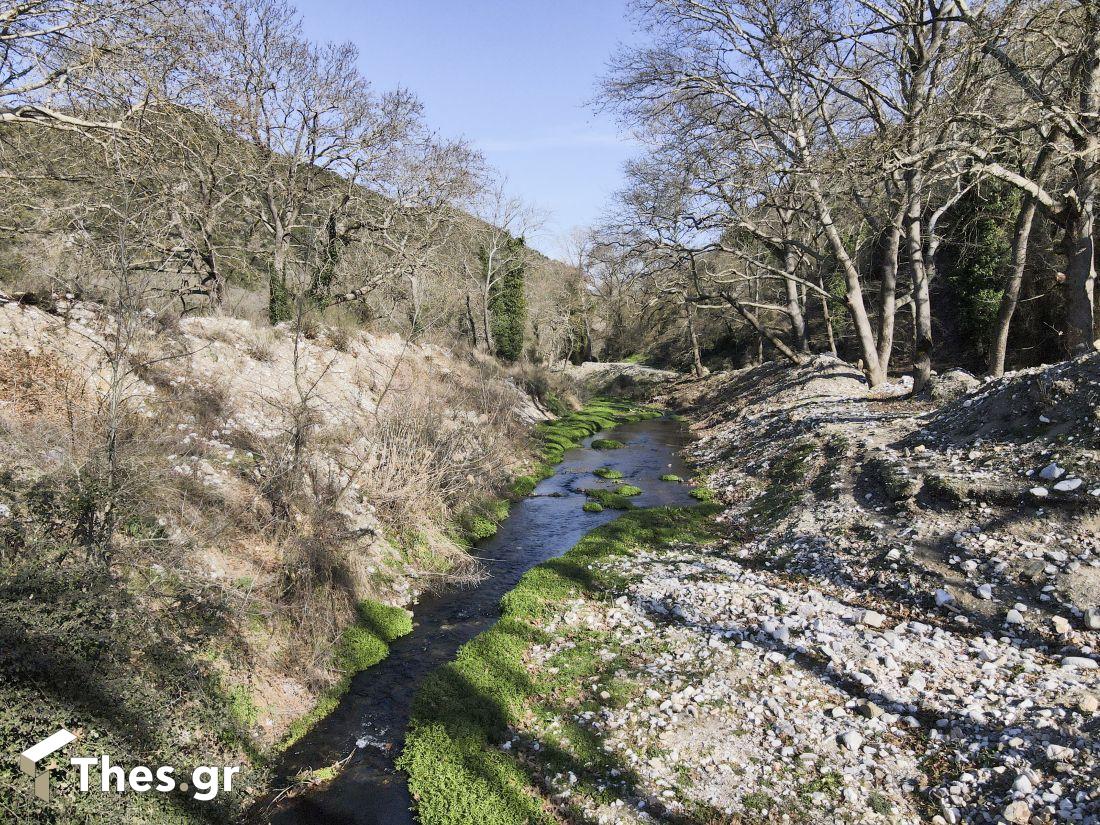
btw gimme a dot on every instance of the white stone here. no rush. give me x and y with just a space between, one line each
1051 472
852 740
1018 813
985 591
1079 663
1068 485
1022 784
872 618
1014 617
1039 492
943 597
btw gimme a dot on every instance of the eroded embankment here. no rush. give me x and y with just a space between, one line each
207 525
892 618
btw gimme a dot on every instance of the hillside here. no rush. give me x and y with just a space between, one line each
265 489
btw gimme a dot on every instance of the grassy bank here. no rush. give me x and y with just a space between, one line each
458 772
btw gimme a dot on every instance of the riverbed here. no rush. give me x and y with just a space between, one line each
369 724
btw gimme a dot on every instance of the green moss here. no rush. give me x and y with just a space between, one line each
241 707
316 777
671 477
555 437
628 490
607 444
386 622
608 473
523 486
592 507
463 710
481 520
609 499
703 494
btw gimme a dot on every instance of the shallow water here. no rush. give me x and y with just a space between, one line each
375 712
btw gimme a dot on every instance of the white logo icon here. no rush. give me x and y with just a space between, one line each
29 759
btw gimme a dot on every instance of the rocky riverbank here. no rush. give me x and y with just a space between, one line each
892 619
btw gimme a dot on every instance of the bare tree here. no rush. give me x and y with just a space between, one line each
1051 53
312 122
85 64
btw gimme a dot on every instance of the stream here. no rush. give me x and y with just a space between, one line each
370 722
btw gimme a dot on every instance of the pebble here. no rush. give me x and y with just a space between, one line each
872 618
1051 472
1018 813
1079 663
1092 619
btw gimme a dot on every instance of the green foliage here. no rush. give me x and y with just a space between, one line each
242 707
976 255
507 298
628 490
592 507
481 520
384 621
608 473
671 477
456 773
606 444
523 486
580 342
555 437
82 648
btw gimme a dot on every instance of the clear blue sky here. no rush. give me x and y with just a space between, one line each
512 76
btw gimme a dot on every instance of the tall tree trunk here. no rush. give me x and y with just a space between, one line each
794 302
470 320
998 349
888 303
922 304
486 320
696 356
1080 251
828 316
278 302
853 294
1079 220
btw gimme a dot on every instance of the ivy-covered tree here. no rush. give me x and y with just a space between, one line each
977 246
507 299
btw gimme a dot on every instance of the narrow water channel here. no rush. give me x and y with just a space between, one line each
370 721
